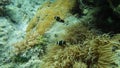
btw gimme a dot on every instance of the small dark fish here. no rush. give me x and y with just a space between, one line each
61 43
58 19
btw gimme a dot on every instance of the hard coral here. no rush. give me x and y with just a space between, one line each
93 53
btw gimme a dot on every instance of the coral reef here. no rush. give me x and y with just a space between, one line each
44 19
93 53
13 22
45 15
59 34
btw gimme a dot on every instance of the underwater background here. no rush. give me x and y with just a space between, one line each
59 33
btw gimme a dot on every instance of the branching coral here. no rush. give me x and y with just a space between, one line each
94 53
